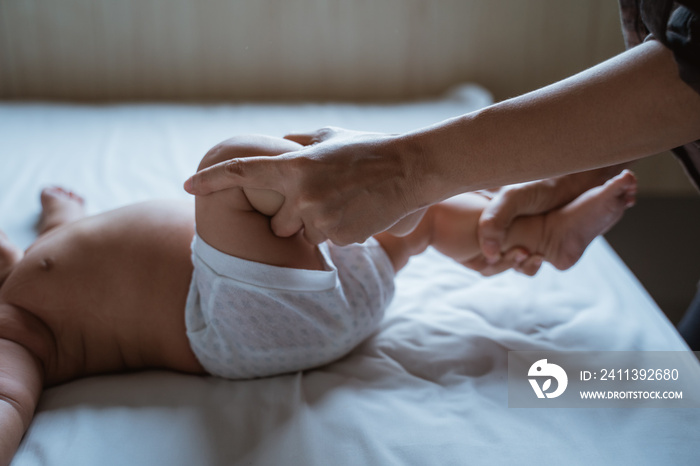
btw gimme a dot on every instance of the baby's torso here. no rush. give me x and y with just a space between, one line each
112 290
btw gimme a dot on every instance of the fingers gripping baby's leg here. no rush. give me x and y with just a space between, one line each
253 145
230 223
572 228
247 146
561 236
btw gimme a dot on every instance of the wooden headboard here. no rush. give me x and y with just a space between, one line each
292 49
115 50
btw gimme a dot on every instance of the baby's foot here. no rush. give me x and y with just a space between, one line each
569 230
9 256
59 206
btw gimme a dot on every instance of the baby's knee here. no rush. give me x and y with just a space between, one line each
231 148
241 146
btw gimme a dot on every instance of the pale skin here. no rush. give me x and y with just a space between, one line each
628 107
106 293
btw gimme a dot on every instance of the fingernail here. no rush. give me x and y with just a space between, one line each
520 257
188 185
537 262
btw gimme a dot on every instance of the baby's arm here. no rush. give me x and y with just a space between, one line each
21 377
20 386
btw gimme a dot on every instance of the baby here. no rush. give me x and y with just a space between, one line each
138 288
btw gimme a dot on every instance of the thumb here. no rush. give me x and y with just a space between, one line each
250 172
320 135
305 139
494 222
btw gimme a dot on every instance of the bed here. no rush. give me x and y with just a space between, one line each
429 387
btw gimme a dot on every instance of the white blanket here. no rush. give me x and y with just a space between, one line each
429 388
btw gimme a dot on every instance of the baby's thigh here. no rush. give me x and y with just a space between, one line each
252 145
227 221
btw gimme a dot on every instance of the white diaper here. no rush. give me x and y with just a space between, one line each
246 319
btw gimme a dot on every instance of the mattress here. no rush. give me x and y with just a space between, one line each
429 387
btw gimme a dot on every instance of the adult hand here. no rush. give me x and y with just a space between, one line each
533 198
344 185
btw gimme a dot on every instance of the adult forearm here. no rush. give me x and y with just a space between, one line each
628 107
348 187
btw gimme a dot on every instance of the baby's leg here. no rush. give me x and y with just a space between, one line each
560 236
227 221
449 226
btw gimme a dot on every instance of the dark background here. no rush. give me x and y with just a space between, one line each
659 240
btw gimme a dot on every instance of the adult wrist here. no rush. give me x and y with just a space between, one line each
426 181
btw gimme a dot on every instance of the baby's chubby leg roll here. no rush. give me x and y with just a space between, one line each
450 227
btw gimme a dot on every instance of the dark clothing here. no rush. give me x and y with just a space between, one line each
677 26
689 326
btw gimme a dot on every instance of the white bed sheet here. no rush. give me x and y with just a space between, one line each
428 388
